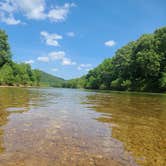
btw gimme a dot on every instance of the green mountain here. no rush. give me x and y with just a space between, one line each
50 80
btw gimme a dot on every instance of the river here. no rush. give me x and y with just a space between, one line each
49 127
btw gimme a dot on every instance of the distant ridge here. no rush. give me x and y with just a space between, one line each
50 80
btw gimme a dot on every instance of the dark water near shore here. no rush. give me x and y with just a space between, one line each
50 127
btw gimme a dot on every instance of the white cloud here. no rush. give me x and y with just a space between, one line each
70 34
86 67
55 69
29 61
57 56
59 13
6 13
32 9
67 61
110 43
10 20
61 56
43 59
6 6
51 39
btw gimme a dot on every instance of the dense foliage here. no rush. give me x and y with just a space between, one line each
12 73
138 66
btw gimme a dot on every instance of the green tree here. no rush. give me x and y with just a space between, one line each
140 65
37 77
12 73
160 46
5 54
6 75
162 82
122 61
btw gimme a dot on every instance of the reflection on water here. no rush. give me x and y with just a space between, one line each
73 127
10 99
138 121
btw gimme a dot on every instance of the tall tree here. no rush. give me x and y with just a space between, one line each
5 54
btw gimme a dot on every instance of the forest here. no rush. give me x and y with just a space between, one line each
14 74
138 66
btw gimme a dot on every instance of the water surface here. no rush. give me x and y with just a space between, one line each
75 127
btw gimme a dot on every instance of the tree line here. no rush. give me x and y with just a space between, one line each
138 66
12 73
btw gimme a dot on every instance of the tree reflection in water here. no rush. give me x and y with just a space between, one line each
12 100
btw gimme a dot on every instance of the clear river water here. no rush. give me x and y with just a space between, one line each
69 127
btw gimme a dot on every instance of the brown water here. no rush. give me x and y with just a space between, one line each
50 127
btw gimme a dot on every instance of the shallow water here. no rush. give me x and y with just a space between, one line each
50 127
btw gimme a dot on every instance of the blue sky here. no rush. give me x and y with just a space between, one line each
69 37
